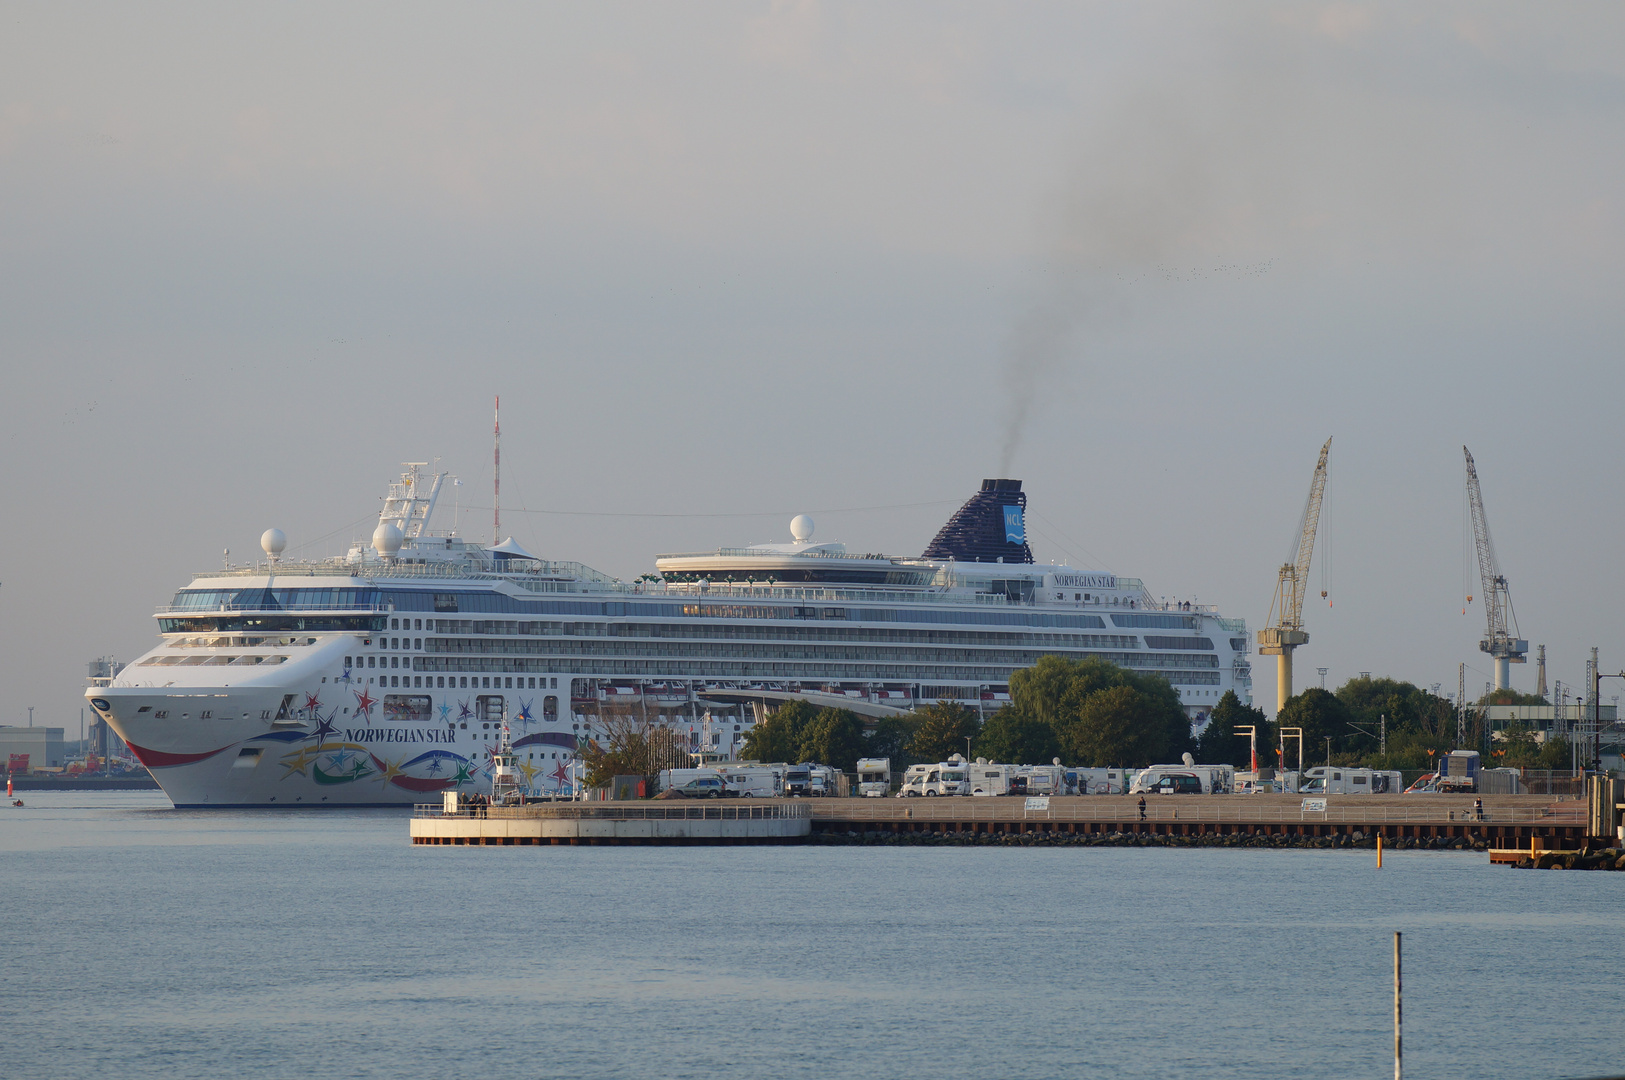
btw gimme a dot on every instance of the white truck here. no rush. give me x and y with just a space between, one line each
1458 771
874 777
811 779
942 778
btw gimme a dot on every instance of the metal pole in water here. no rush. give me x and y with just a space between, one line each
1399 1046
1379 851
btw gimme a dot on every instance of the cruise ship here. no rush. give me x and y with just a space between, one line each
386 675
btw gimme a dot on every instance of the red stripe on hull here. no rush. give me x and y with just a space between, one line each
158 759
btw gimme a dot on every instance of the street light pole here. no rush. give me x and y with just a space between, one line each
1596 716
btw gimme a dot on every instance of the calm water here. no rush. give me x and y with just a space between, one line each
141 941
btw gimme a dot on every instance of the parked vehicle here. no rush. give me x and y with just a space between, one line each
705 787
754 781
1458 771
1042 779
1426 784
1211 779
949 777
810 779
874 777
1097 781
675 778
990 778
1340 781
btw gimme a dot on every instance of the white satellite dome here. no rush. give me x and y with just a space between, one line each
801 527
273 541
387 539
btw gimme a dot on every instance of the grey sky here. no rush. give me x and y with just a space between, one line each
756 259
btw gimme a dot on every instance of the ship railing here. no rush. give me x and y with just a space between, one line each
291 609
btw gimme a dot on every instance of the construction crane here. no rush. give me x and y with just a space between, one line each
1505 648
1285 631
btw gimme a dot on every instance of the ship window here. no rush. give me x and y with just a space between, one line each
417 643
510 682
394 624
555 685
372 661
464 682
418 624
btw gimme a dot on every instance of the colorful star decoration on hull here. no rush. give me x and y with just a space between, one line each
464 712
524 716
445 711
324 728
313 703
364 702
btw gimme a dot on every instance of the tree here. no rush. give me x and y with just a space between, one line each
1320 715
1015 738
1122 725
891 738
630 746
834 737
1219 743
942 731
1509 696
778 737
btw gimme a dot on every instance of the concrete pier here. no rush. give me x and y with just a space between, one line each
1507 821
744 822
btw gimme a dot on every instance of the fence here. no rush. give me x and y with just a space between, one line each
626 811
979 810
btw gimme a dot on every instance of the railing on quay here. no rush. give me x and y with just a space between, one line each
1243 813
626 811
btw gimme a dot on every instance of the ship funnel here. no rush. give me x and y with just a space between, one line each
990 527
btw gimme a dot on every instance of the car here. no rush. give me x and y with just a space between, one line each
1178 784
704 787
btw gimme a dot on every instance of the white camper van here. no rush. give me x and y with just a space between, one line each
943 778
1210 779
990 778
753 781
874 777
1098 781
1041 779
1340 781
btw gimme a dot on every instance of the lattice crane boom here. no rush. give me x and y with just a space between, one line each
1503 645
1285 631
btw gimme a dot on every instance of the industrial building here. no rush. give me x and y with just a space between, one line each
42 745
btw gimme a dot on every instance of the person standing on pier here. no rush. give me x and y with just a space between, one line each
1142 807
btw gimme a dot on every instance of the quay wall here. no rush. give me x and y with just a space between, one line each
1507 820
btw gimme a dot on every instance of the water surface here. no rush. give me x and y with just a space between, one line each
142 941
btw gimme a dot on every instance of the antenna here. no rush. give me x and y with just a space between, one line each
496 474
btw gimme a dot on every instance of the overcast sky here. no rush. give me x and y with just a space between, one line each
728 262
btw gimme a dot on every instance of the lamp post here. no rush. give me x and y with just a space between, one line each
1596 715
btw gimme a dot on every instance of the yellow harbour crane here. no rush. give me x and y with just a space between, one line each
1285 631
